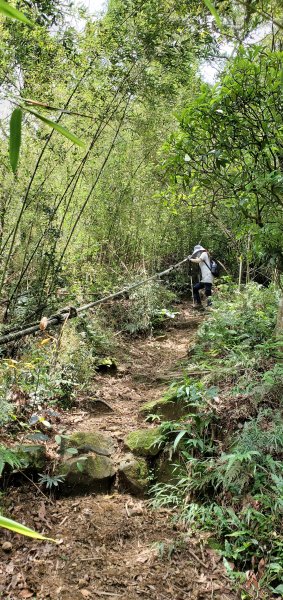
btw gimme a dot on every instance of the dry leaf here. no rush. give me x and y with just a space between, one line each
251 580
43 323
142 559
10 568
202 578
42 511
261 568
26 593
15 580
85 593
45 341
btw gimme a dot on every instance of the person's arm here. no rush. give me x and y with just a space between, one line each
201 258
196 260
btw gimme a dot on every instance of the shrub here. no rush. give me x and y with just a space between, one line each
236 494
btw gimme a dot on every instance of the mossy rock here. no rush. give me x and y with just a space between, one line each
33 455
134 475
91 439
168 408
94 474
168 469
144 442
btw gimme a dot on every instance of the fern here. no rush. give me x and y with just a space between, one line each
11 458
264 434
235 470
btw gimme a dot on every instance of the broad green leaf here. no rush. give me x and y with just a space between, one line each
178 438
214 12
22 529
12 13
15 137
72 451
58 128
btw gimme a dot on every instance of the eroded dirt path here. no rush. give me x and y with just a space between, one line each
113 546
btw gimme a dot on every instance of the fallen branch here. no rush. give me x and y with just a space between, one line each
195 556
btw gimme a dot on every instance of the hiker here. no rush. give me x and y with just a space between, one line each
201 256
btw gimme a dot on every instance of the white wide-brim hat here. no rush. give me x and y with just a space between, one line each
197 248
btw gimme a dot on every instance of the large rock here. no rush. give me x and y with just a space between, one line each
144 442
87 442
91 469
94 474
134 474
168 408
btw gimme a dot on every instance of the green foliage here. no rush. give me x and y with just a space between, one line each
222 150
195 394
51 481
145 308
251 527
193 432
11 458
55 369
241 322
94 334
274 376
161 316
6 409
73 227
232 485
264 434
32 377
246 535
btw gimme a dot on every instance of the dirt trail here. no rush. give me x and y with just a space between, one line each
113 546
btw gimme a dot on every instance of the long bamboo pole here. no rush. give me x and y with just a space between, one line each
71 312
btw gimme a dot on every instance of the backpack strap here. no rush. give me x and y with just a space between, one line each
207 265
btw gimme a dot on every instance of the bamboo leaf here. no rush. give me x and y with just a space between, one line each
15 137
178 438
22 529
12 13
214 12
62 130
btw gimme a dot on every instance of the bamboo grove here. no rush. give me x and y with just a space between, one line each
167 159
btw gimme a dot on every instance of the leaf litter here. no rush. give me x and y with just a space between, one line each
112 546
